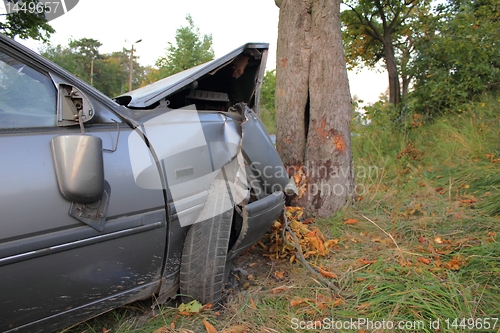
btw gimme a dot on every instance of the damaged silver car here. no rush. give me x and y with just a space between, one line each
107 201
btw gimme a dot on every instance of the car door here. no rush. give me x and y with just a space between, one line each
57 268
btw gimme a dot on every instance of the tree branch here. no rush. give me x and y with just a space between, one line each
381 13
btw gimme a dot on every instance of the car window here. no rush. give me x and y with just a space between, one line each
27 97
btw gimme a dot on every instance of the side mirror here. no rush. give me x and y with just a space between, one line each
79 167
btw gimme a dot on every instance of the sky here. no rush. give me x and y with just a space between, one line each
232 23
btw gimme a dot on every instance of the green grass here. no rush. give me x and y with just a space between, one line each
435 190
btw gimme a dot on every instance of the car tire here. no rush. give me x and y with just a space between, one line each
204 255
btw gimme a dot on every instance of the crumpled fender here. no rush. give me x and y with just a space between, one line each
259 151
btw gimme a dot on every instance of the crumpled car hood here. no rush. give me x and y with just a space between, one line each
238 74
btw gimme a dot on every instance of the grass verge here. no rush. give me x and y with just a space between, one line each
419 251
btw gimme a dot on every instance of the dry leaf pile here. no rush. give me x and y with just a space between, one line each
313 243
311 239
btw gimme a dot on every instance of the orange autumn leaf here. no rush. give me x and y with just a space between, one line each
338 301
159 330
207 306
364 261
279 274
455 264
424 260
326 273
209 327
277 290
363 306
236 329
351 221
315 240
293 209
308 221
252 304
298 301
331 243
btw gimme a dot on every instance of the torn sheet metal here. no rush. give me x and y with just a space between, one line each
192 148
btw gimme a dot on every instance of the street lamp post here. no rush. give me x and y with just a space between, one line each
92 71
131 65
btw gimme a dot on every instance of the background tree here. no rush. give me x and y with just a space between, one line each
460 58
110 71
267 108
25 24
384 29
313 104
190 49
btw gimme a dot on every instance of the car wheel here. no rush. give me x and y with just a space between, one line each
203 266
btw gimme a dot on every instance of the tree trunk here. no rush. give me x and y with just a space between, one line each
392 70
313 104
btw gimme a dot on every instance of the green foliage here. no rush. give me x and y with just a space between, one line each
190 49
459 153
267 109
374 30
26 25
460 60
110 71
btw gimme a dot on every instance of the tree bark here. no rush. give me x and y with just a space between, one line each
313 104
392 70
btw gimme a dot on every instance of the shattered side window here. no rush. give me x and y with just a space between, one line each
27 97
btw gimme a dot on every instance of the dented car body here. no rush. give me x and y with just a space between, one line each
100 198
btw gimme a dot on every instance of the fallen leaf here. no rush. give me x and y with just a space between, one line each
252 304
364 261
159 330
252 264
105 330
351 221
293 209
424 260
338 301
331 243
308 221
316 242
209 327
310 253
363 306
326 273
279 274
236 329
455 263
190 308
278 290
